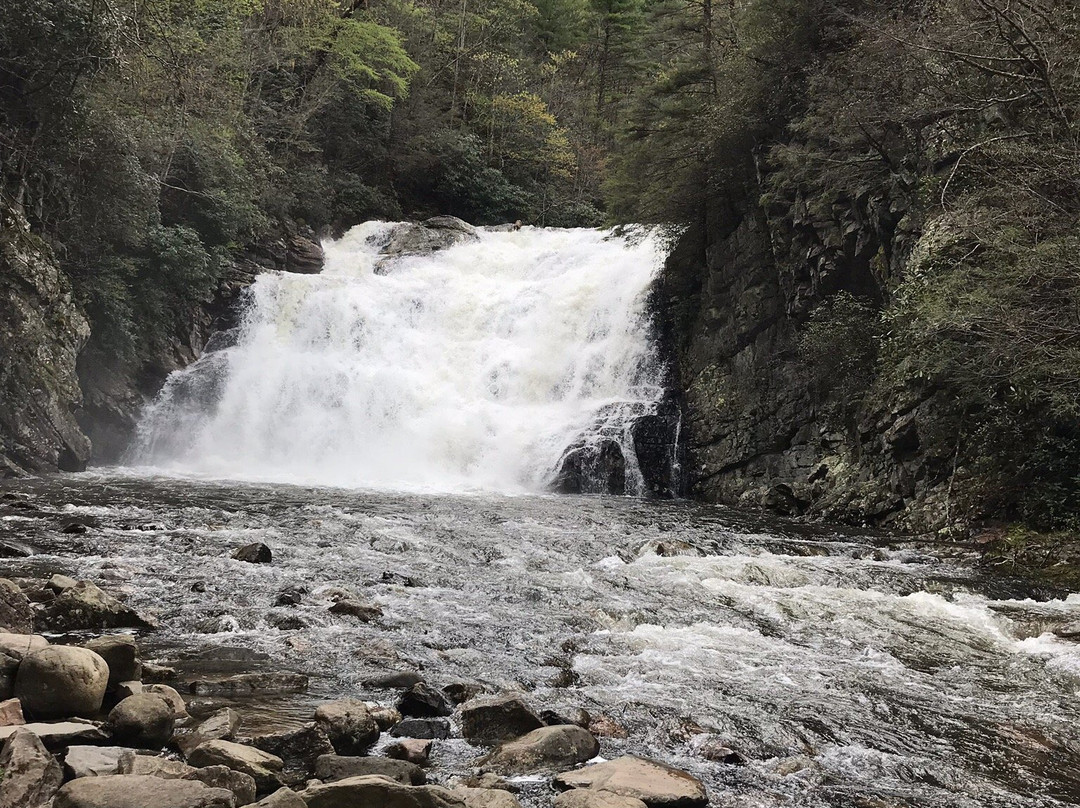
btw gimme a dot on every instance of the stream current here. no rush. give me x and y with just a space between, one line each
847 669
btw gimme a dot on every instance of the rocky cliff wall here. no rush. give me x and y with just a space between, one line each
734 300
41 333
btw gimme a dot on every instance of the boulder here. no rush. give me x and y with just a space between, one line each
58 583
497 719
125 689
9 667
251 684
282 798
461 692
61 733
93 761
31 775
221 726
435 234
588 798
15 614
330 768
298 748
348 724
171 697
261 765
153 673
655 784
573 716
60 681
423 701
121 655
155 766
138 791
393 680
428 728
257 553
373 791
545 749
413 750
292 596
487 797
241 785
21 645
385 717
11 714
86 607
144 720
363 610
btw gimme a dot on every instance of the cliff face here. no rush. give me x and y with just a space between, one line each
41 334
734 304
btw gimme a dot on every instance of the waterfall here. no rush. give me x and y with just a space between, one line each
477 367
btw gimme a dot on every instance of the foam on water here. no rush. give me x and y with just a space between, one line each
472 368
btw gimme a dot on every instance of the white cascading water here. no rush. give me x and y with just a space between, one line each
473 368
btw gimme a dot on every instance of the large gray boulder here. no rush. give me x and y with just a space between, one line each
140 791
497 719
655 784
144 720
329 768
86 607
262 766
373 791
545 749
61 681
21 645
348 724
31 775
15 613
93 761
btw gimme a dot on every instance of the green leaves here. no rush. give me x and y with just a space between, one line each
370 57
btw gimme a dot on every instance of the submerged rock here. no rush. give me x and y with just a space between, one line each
139 791
545 749
251 684
656 784
31 776
61 681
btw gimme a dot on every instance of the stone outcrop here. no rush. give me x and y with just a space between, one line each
61 681
42 331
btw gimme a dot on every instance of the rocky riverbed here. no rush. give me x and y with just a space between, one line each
542 645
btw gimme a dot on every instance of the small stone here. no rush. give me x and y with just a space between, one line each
221 726
257 553
144 720
428 728
292 596
330 768
74 528
423 701
121 654
348 724
496 719
139 791
262 766
461 692
31 775
604 726
15 613
545 749
60 681
655 784
11 714
413 750
93 761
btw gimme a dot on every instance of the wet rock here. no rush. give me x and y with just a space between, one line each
121 654
544 749
93 761
172 698
385 717
241 785
286 622
393 680
348 724
604 726
21 645
221 726
11 714
488 780
251 684
461 692
362 610
61 681
330 768
139 791
282 798
144 719
257 553
423 701
372 790
597 467
436 729
575 716
487 797
712 747
74 528
298 748
435 234
303 254
292 596
61 733
412 750
86 607
31 775
15 614
12 550
152 673
656 784
261 765
587 798
496 719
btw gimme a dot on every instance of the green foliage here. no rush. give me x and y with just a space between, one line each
840 344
